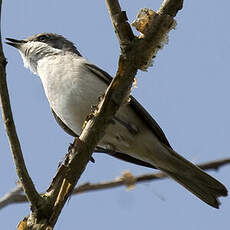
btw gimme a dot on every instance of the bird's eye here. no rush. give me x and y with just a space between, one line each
43 38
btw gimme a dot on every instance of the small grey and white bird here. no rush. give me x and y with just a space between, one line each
72 85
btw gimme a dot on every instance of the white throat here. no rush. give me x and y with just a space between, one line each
32 52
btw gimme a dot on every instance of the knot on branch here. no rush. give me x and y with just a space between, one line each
129 180
154 29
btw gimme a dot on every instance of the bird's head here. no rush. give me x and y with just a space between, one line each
38 46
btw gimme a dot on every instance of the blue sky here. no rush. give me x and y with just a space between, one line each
186 91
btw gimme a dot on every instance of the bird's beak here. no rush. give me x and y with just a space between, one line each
15 43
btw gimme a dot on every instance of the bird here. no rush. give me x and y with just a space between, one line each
73 85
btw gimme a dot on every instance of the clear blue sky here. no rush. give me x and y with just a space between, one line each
186 91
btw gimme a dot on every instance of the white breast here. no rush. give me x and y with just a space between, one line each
70 88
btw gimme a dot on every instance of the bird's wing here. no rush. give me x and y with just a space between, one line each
135 105
115 154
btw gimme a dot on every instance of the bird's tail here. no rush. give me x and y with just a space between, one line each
205 187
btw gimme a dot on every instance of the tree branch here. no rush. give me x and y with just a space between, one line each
87 187
121 26
28 186
13 196
171 7
16 196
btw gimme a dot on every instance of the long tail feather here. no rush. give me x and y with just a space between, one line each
204 186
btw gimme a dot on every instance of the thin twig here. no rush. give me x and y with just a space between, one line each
12 197
15 195
171 7
121 26
16 151
87 187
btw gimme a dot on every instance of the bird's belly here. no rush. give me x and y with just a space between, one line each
77 103
71 91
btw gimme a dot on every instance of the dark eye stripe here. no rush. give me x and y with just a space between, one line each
42 38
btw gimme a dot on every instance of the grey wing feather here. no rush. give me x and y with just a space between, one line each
150 122
135 105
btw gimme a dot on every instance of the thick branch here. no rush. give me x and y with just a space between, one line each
15 195
93 132
7 116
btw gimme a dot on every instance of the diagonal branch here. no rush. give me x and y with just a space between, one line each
15 196
16 151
